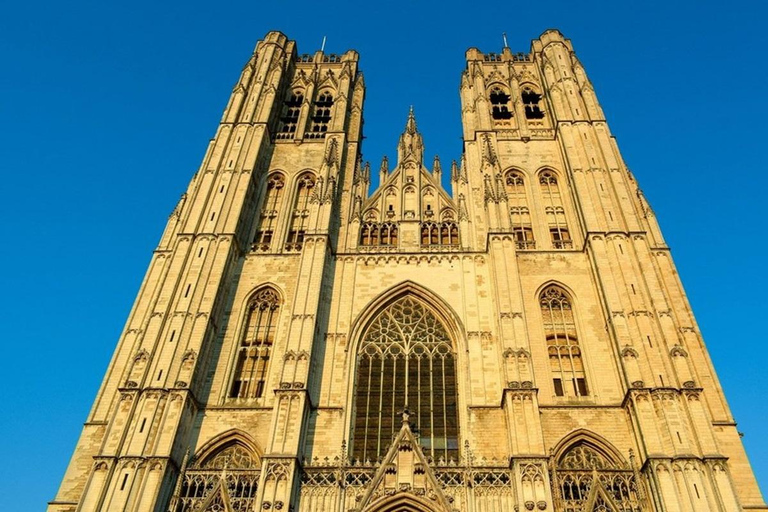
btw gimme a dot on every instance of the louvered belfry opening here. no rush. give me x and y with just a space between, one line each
406 360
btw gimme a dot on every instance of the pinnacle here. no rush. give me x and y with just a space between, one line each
436 167
410 125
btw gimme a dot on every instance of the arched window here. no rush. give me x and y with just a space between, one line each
500 105
519 212
531 103
366 233
321 115
230 475
290 119
389 233
256 346
406 360
565 360
300 213
555 213
267 221
588 479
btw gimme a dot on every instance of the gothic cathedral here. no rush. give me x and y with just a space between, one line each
520 343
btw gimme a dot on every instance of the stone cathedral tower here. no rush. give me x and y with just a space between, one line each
520 343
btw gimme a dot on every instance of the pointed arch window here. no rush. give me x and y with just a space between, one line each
565 358
300 213
586 478
554 210
520 214
532 104
406 360
321 115
231 475
256 346
500 110
290 119
268 219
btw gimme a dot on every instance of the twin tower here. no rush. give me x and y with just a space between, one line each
520 343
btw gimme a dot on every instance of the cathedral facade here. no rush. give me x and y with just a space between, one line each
522 342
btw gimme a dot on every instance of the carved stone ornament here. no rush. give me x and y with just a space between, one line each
529 505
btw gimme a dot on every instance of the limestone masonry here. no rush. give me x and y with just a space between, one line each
520 343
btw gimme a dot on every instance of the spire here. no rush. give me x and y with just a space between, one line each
410 125
411 145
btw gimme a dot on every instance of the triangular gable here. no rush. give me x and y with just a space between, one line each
404 471
217 499
598 494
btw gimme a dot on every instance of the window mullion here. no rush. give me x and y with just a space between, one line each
367 407
431 407
445 410
381 405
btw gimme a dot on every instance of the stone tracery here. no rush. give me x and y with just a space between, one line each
406 360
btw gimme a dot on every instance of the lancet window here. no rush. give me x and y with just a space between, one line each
378 234
439 234
586 479
321 115
290 119
519 212
554 210
532 104
500 110
406 360
256 346
268 219
565 358
300 213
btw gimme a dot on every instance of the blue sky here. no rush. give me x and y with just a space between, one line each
107 108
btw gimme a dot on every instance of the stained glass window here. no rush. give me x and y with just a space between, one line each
406 360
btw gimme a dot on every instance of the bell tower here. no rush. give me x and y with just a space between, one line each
266 200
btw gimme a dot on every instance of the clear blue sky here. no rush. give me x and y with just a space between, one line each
107 108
